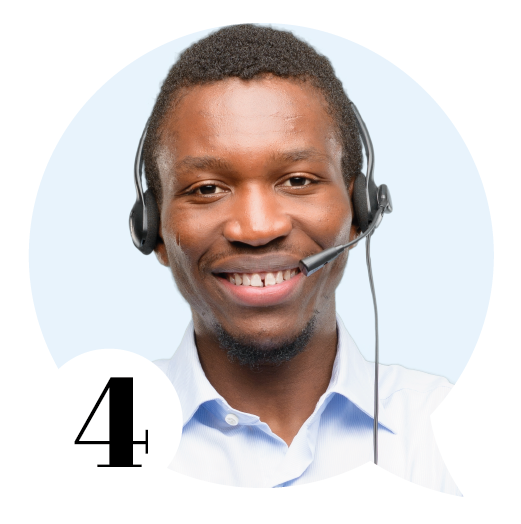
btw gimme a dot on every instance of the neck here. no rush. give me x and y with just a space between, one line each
283 396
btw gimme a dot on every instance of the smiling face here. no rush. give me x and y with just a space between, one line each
252 183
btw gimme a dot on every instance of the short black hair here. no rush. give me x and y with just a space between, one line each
250 51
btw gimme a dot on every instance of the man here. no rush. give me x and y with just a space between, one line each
251 154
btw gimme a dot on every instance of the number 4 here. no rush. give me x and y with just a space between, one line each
121 420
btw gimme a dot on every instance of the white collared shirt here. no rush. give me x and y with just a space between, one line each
223 445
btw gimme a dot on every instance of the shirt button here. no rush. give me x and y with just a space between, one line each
231 419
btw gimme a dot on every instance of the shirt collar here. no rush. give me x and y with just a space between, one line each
352 377
187 376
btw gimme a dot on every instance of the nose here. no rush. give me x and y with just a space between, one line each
257 217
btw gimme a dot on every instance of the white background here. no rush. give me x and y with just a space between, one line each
55 55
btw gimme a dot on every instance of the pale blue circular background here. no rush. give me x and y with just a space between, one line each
432 258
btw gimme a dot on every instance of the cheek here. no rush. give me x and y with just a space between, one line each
187 236
329 224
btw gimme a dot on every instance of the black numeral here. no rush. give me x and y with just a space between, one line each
121 420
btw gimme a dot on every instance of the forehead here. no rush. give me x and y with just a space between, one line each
249 117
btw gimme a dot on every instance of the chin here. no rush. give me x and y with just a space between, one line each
254 350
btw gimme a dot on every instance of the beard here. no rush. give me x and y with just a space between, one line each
247 351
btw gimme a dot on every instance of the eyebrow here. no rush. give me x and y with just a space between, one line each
295 155
195 163
201 163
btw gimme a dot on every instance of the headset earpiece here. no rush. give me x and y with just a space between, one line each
144 217
361 211
152 222
145 241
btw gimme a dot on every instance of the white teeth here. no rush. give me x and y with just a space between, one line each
261 279
270 279
256 280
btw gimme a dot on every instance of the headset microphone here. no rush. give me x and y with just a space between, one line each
313 263
369 201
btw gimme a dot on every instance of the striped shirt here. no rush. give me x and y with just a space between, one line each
223 445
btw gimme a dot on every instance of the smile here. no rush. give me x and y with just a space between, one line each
262 289
261 279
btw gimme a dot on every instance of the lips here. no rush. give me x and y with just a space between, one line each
264 280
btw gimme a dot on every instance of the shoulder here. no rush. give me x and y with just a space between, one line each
413 388
408 397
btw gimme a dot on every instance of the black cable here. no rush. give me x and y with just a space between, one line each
376 350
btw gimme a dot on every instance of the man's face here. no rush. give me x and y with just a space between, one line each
252 183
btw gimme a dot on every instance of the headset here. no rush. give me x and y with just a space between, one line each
370 203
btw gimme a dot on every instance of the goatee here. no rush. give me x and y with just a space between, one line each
248 352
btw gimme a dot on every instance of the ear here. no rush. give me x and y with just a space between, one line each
160 248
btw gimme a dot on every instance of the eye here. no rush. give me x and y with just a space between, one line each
297 181
209 189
